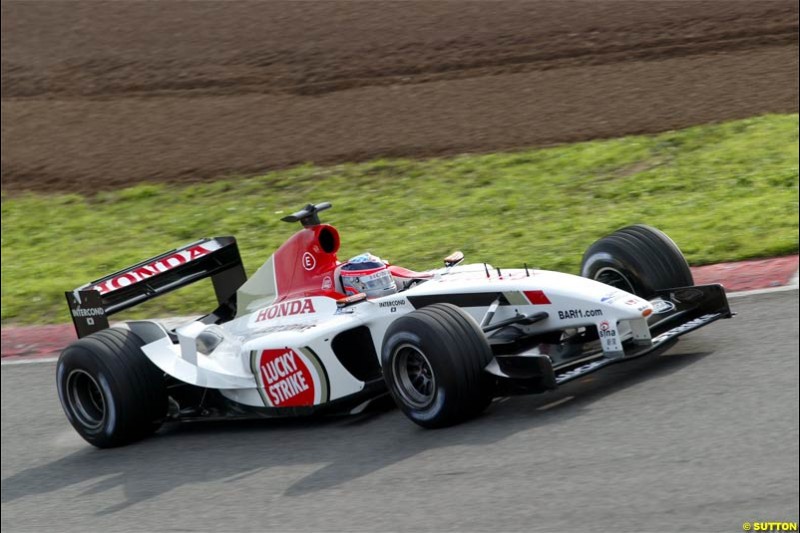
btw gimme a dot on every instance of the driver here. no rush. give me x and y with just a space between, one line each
368 274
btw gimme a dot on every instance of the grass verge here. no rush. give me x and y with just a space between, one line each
722 192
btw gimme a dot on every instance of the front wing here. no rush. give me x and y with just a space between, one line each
677 312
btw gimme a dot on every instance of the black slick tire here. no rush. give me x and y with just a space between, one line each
639 259
110 391
433 362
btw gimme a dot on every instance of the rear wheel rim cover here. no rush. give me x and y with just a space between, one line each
85 399
413 376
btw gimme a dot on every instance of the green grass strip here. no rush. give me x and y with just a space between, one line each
723 192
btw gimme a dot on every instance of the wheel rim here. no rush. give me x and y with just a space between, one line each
413 376
85 399
615 278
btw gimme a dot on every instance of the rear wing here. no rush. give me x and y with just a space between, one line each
218 258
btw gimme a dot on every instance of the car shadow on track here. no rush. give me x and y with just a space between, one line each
349 447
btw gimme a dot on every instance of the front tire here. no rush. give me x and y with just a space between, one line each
637 259
433 362
111 393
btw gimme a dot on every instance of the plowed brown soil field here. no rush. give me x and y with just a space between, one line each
102 94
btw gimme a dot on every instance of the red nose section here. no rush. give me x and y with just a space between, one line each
305 264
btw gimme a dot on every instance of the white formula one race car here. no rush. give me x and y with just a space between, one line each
308 333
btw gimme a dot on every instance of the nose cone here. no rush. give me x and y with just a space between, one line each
631 306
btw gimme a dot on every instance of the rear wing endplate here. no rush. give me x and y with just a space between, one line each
218 258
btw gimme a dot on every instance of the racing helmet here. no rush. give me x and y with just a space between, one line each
368 274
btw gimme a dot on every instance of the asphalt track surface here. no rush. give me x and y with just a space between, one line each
702 438
97 95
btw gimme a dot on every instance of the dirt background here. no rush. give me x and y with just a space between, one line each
97 95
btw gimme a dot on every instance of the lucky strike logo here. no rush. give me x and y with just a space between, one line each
294 307
156 267
286 378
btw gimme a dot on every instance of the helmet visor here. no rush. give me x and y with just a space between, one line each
377 281
372 284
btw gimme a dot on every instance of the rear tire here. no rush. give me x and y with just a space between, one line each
110 391
638 259
433 362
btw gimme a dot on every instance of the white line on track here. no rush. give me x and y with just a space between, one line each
555 403
769 290
29 361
